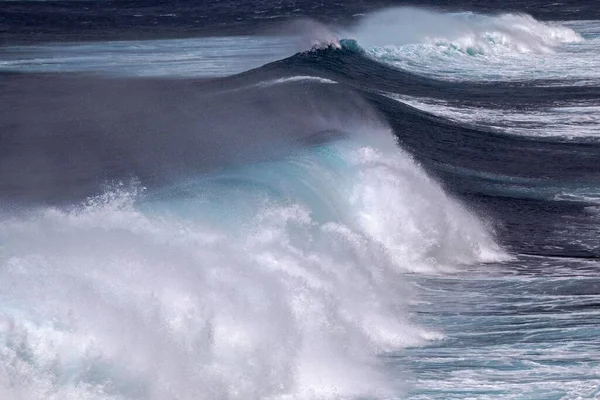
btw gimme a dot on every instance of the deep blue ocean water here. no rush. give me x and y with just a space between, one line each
299 200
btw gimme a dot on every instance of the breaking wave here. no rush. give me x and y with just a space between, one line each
275 280
463 46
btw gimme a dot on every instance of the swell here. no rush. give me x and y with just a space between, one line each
446 142
152 129
350 64
339 87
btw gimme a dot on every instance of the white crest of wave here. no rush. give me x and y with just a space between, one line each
115 300
466 32
469 46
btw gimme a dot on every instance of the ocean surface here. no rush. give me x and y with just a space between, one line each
299 200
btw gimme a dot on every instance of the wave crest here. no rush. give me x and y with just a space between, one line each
464 45
467 32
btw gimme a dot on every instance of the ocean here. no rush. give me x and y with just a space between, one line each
299 200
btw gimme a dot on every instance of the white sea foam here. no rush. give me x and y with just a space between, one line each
466 32
129 297
570 121
469 46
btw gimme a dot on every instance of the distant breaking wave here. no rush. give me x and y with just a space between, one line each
471 46
468 33
455 47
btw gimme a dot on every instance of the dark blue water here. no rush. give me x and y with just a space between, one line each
25 21
299 200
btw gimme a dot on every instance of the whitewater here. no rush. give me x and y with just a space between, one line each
397 204
275 280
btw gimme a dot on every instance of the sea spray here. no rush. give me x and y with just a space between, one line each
123 297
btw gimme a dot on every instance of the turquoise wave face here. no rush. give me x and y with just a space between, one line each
318 177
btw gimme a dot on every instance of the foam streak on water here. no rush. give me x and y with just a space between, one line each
531 331
568 121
